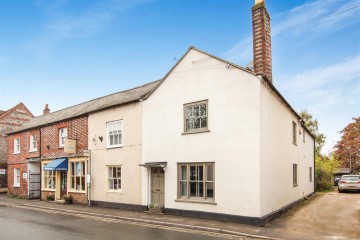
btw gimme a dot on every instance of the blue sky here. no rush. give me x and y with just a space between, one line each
64 52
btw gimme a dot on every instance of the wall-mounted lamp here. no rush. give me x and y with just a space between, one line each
101 138
94 139
48 146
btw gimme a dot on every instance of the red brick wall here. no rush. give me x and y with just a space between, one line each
78 198
23 189
76 129
10 120
19 160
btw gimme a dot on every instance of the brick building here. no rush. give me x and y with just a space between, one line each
9 120
41 148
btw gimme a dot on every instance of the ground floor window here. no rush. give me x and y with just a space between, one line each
77 176
16 177
310 174
295 174
49 179
196 180
114 178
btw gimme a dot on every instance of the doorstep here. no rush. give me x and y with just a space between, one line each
58 201
155 211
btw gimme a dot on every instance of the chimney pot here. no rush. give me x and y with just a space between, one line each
46 109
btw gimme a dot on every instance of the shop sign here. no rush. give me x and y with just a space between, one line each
70 146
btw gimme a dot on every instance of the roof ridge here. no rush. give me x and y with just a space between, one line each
4 112
98 98
223 60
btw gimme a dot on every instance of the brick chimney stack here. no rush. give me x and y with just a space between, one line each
46 109
261 39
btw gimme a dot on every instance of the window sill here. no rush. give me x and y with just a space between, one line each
114 191
75 191
117 146
34 150
48 190
16 186
15 153
198 131
196 201
60 147
295 185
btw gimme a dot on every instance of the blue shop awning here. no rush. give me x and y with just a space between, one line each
60 164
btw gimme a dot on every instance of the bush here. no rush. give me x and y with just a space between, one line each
50 197
68 199
324 186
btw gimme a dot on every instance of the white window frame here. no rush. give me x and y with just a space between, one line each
186 117
205 181
33 141
62 136
113 179
16 177
295 175
119 132
49 179
16 145
75 176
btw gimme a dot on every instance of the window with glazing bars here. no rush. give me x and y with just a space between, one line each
196 181
196 116
114 132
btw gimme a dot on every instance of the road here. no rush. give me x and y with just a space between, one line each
19 223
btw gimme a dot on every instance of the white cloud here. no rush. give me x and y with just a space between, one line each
64 22
90 21
310 21
323 77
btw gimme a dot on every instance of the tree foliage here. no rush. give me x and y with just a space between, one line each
349 146
312 125
324 171
325 166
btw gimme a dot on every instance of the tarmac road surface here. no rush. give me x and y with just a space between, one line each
18 223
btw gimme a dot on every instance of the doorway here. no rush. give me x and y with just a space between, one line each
63 183
157 186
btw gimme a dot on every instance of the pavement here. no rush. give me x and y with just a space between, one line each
312 219
203 225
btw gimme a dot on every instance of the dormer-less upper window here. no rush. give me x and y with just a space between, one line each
17 145
196 117
62 136
114 133
33 143
294 132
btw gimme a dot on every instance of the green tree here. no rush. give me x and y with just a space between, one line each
347 149
324 165
313 126
324 171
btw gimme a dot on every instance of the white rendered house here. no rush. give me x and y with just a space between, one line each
220 142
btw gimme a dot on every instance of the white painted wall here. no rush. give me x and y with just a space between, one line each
232 143
128 156
278 153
